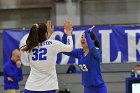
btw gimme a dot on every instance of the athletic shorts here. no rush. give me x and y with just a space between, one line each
99 89
28 91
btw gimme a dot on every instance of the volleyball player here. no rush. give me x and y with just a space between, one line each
89 59
42 55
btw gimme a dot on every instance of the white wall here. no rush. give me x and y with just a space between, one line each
110 11
18 18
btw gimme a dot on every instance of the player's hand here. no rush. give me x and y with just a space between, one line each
91 28
68 27
18 64
10 79
50 28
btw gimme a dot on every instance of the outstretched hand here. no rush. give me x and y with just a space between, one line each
90 29
68 27
50 28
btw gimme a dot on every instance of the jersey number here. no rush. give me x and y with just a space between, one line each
83 67
39 54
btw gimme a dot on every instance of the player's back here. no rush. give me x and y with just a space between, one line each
44 56
42 63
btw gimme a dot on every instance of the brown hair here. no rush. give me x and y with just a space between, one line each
36 36
93 37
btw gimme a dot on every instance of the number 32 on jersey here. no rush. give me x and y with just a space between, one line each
39 54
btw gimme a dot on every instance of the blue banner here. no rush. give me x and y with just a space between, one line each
119 44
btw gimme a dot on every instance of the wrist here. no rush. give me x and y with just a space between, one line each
87 31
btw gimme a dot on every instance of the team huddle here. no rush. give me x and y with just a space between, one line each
42 51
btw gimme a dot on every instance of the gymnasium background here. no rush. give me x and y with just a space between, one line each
117 29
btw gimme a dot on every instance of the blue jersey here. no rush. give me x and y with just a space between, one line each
90 67
11 70
89 64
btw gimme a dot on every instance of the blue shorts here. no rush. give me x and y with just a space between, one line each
28 91
99 89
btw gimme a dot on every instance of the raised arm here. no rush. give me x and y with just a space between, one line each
95 51
69 42
73 53
50 28
89 40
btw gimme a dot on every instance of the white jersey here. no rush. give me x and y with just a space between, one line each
42 62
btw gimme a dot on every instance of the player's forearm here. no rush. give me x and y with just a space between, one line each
91 45
89 40
70 43
69 46
73 53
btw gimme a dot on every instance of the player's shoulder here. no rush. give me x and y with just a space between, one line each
54 41
79 49
48 42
